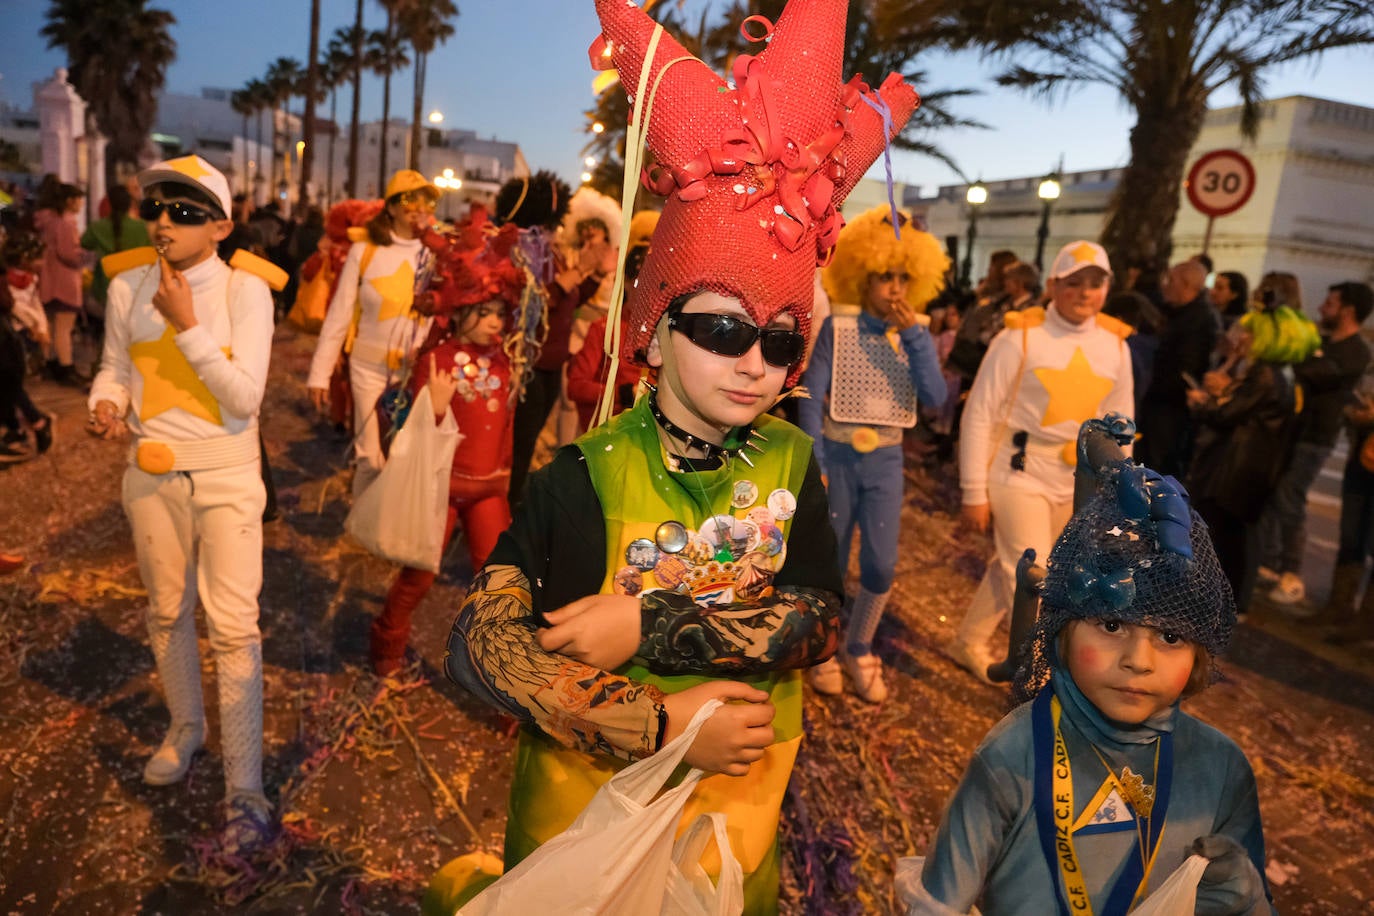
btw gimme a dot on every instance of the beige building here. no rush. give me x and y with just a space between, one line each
51 138
1312 212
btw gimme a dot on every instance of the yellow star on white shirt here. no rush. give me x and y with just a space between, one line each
397 290
170 381
1076 392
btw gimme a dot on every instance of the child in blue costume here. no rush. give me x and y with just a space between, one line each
865 377
1097 787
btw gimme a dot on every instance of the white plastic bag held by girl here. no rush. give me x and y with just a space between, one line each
400 516
619 857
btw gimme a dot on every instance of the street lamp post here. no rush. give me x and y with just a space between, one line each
977 196
447 182
1048 193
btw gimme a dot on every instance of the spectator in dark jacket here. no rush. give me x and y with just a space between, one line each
1185 346
1242 410
1328 378
1141 314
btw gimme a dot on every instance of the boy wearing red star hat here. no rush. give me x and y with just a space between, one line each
1049 370
187 342
682 552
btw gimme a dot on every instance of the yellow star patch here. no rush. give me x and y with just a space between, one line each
189 166
169 381
1084 254
397 291
1076 392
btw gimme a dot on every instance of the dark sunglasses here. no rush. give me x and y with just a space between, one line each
418 198
180 212
726 335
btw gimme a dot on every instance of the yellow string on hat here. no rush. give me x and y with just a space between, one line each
635 141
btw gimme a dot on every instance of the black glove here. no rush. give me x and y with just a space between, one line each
1231 884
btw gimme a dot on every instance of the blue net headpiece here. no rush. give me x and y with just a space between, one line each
1135 553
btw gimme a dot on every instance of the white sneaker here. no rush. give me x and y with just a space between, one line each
866 671
974 661
1266 577
171 761
1290 590
827 678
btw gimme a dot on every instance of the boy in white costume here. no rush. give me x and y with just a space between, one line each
1044 374
372 317
187 343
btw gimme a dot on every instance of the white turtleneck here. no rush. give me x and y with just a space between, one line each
1022 388
382 298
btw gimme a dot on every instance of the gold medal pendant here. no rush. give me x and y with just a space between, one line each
1138 793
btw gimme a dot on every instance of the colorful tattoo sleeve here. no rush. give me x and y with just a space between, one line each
795 628
493 653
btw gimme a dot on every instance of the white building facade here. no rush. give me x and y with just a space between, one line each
1312 212
243 149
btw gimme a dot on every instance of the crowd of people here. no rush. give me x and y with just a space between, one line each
684 551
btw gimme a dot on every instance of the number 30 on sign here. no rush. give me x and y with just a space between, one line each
1220 182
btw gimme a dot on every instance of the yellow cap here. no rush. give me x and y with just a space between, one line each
408 180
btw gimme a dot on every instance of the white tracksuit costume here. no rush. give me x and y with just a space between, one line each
1042 377
388 334
193 490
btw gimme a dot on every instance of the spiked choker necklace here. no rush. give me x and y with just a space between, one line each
733 447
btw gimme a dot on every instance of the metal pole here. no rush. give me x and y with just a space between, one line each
1041 234
968 253
1207 238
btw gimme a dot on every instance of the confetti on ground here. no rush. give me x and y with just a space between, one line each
379 782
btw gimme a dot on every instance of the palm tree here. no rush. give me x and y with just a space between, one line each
425 24
309 88
336 69
358 35
1165 58
243 103
284 77
260 94
119 80
391 58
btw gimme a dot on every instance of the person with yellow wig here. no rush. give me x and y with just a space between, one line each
870 366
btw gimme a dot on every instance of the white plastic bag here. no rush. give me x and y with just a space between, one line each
401 515
1177 896
690 891
618 857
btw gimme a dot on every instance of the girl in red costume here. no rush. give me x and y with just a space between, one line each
468 371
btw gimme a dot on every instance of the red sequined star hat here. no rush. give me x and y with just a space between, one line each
754 170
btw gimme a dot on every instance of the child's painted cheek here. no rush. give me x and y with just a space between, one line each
1084 659
1177 678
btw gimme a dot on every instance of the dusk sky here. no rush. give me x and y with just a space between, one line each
518 70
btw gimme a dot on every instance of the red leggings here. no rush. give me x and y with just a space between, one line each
484 518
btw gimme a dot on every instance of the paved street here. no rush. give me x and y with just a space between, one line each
379 783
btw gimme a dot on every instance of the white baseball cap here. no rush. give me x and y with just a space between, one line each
193 172
1075 256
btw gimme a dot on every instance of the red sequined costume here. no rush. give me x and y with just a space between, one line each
472 267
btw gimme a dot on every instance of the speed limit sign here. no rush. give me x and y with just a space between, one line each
1220 182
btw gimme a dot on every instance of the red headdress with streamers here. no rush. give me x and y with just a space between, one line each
754 173
472 264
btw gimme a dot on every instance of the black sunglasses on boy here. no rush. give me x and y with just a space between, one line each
180 212
726 335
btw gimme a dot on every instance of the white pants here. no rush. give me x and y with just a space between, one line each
198 534
368 381
1020 518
